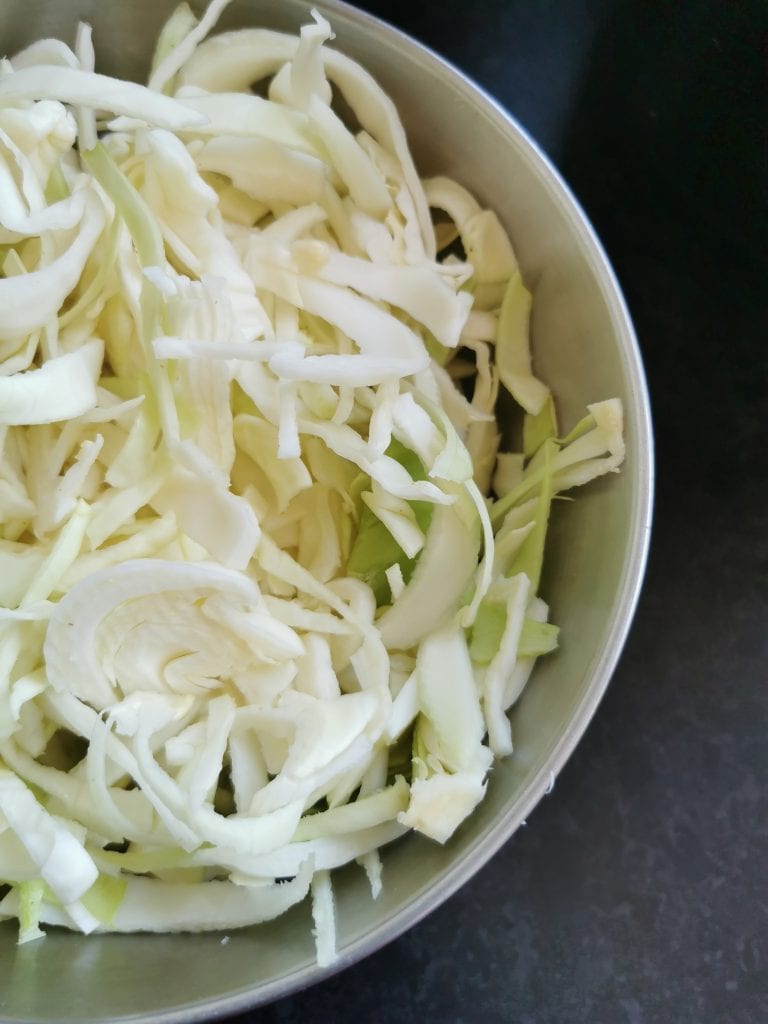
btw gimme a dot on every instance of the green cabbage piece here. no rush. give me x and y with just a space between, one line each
374 549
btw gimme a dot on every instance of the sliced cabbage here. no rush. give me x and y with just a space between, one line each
594 447
64 865
179 44
88 89
62 389
513 356
29 300
259 614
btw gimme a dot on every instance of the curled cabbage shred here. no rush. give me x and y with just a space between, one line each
268 575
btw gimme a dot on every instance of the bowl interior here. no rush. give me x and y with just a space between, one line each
585 348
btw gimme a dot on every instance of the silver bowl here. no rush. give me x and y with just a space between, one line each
585 348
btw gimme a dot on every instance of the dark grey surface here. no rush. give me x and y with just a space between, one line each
637 892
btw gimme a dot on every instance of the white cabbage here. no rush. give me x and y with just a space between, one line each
246 555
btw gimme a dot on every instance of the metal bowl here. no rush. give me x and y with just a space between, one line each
585 348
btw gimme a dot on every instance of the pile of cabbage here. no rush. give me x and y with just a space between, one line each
258 615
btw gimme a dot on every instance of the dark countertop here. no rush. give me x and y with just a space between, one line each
637 892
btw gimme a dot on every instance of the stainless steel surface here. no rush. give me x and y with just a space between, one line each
585 347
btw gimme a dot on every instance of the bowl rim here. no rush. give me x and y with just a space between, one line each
492 839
